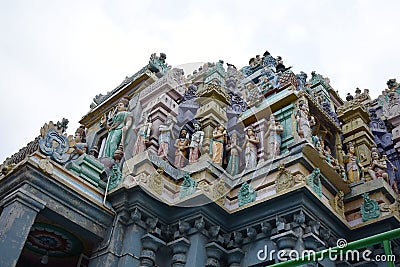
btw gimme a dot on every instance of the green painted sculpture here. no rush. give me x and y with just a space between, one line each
314 181
369 208
188 186
246 194
121 122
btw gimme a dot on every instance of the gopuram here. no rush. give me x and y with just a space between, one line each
219 167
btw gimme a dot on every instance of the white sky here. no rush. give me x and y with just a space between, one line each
55 56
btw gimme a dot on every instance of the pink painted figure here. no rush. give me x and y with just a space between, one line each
181 145
143 135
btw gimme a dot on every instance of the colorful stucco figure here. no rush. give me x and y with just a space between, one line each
121 122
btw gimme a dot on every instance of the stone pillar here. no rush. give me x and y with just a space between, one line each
214 253
179 249
235 256
19 213
150 245
355 129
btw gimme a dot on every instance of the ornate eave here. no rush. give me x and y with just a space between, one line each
268 105
322 111
129 89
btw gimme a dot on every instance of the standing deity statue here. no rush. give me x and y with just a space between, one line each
304 123
378 166
273 135
118 129
196 143
181 145
164 137
143 135
217 144
234 151
353 165
250 148
80 147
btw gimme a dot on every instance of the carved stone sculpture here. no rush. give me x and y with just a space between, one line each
181 145
250 148
246 194
353 165
118 129
164 138
369 208
143 135
378 166
80 147
234 151
273 135
217 145
304 123
196 143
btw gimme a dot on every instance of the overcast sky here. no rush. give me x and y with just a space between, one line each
55 56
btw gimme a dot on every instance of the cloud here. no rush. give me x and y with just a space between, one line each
56 56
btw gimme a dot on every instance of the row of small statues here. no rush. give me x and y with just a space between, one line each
186 149
190 147
122 121
351 168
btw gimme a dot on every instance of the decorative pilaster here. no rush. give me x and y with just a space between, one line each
179 249
355 128
235 256
150 245
214 253
19 213
213 100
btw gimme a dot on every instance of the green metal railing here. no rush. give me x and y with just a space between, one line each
358 244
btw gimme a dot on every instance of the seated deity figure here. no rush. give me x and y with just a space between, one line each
181 145
196 143
304 123
234 151
250 148
121 122
80 147
273 135
143 135
164 137
217 145
378 166
353 165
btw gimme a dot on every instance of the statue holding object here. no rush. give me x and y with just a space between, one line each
354 168
273 135
196 143
143 135
80 147
234 151
181 145
164 137
118 129
250 148
304 123
217 145
378 166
